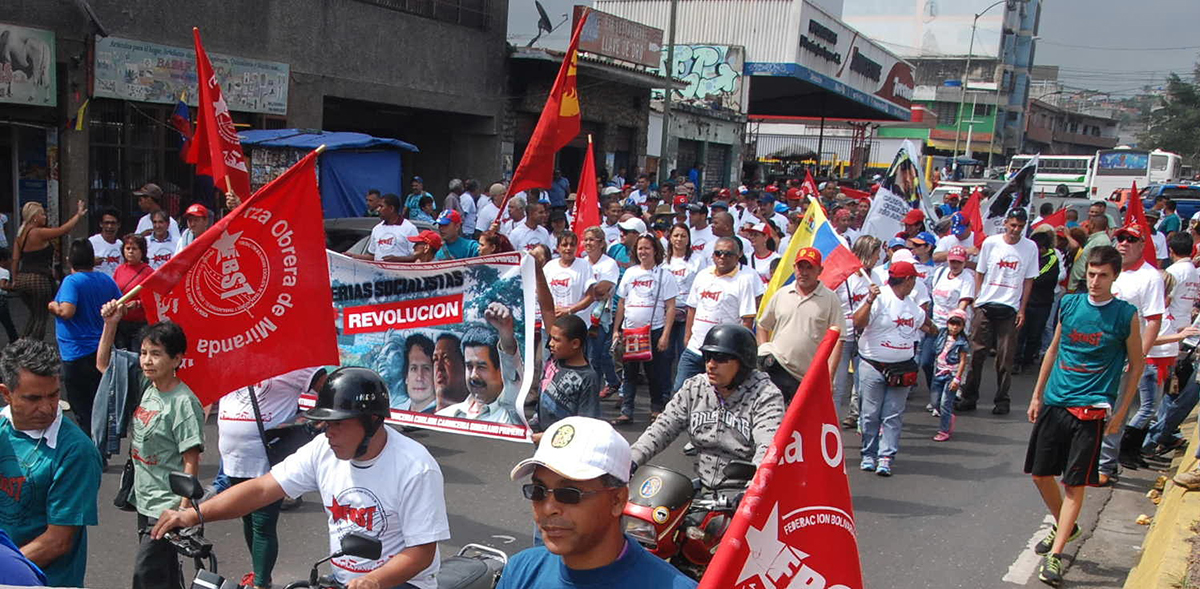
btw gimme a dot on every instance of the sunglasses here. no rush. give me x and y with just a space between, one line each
564 495
723 253
718 357
1127 238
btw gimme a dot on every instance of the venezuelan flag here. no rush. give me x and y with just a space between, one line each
837 261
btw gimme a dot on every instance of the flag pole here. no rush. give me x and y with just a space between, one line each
133 292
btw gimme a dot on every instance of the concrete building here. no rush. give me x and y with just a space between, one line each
1054 130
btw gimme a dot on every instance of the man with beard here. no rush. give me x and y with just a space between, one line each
449 372
493 370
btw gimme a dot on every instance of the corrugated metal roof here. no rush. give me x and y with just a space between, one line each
768 29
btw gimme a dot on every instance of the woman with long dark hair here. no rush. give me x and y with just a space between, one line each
648 294
683 265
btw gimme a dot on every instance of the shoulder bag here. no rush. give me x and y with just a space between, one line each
638 344
283 441
124 498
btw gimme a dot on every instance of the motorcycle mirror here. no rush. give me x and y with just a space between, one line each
739 470
360 546
186 485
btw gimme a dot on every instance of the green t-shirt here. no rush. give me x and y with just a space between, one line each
165 425
44 486
1091 352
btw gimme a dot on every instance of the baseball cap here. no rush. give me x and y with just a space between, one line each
197 210
914 216
724 192
781 208
896 242
695 207
633 224
772 188
449 216
681 199
720 204
1152 214
794 194
149 189
430 238
1017 213
610 190
904 256
766 198
1131 229
926 238
418 179
957 252
759 227
902 270
580 449
809 254
958 224
663 209
959 314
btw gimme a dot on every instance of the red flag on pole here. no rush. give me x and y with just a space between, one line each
1136 214
252 292
795 526
1055 219
558 125
215 148
587 200
809 186
974 216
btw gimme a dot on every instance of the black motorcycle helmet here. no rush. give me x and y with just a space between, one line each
353 393
737 341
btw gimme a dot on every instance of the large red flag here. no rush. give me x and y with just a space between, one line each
974 216
809 186
1135 214
587 200
558 125
252 293
215 148
1055 219
795 526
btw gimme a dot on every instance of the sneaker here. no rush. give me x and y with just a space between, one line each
1047 543
929 407
941 436
1189 480
1051 570
884 469
1000 409
867 465
849 423
689 449
936 413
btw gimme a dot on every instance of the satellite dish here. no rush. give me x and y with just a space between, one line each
544 23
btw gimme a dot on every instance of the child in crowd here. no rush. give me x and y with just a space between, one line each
569 386
952 349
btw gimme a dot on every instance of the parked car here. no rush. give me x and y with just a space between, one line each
1186 197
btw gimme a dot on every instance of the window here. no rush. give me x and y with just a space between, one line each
946 116
983 110
468 13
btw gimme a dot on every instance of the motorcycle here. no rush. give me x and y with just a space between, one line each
679 520
190 542
474 566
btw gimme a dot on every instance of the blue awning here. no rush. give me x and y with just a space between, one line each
312 138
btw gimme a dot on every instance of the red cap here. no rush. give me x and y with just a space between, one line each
794 194
902 270
724 193
842 214
430 238
914 216
772 188
811 255
957 252
1131 229
681 199
197 210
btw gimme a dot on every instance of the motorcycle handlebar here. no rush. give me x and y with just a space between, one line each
326 582
189 542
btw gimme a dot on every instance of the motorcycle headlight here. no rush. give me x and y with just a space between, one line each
641 530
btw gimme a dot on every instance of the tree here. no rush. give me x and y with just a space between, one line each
1174 123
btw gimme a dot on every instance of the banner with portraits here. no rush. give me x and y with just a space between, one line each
453 340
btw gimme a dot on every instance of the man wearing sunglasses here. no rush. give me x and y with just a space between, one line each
577 488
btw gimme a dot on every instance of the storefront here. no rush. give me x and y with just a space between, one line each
28 133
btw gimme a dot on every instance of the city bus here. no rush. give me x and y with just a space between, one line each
1165 166
1117 169
1060 175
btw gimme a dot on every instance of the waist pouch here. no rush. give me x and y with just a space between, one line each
897 374
997 311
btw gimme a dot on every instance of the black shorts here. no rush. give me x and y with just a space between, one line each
1062 444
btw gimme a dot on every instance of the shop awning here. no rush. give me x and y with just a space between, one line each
312 138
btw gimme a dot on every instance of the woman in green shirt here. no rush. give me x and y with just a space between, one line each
168 436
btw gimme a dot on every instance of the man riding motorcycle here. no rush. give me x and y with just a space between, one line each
730 412
372 479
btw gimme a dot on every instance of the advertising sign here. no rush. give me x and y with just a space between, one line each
27 69
929 27
148 72
619 38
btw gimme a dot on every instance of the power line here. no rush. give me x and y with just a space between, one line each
1097 48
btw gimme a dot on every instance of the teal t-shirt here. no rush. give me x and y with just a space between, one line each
461 248
165 425
1091 352
44 486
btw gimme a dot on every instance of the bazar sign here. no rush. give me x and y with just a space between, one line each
27 67
619 38
148 72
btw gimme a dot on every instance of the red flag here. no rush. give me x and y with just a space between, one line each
557 126
1135 214
252 293
587 201
795 526
1056 219
809 186
215 148
974 216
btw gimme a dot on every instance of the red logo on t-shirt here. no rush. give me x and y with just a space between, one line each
160 258
904 322
696 248
111 260
363 517
855 299
388 241
12 486
679 272
561 282
1010 264
144 415
1092 339
710 294
647 283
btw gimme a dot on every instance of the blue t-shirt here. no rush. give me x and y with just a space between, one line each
1091 352
461 248
88 291
15 569
537 568
42 486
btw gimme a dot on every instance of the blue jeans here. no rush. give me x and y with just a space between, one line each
1051 324
657 370
843 380
690 364
676 349
882 413
1173 410
926 359
221 482
1147 387
943 399
601 357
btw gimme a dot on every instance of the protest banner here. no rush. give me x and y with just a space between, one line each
1017 193
453 340
901 190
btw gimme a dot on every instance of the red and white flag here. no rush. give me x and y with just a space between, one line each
795 526
809 186
215 147
252 292
1136 215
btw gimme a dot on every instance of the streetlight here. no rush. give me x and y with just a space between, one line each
966 75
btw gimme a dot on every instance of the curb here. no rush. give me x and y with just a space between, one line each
1165 551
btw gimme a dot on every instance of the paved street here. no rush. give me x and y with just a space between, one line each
956 514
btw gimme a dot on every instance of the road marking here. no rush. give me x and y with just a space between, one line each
1023 568
511 539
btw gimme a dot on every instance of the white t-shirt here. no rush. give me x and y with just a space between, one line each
469 212
893 329
612 234
242 452
488 213
685 272
145 224
646 293
604 270
398 497
392 240
4 275
852 293
1005 269
720 299
1160 245
525 239
109 254
568 285
1179 311
948 292
1143 288
158 252
762 266
945 242
700 240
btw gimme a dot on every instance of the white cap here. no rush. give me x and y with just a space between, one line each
610 190
904 256
633 224
580 449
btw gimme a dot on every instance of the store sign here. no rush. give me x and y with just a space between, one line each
820 35
27 68
619 38
149 72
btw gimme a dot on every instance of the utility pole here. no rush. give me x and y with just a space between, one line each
663 168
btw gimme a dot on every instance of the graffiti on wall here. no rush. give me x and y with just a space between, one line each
713 73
